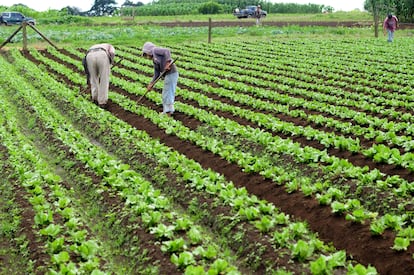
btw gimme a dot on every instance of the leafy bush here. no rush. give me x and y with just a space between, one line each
67 19
210 8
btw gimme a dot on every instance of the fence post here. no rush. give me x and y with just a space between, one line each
24 24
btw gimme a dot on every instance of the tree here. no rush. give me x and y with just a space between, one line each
379 8
411 9
128 8
103 7
406 10
210 8
128 3
327 9
72 10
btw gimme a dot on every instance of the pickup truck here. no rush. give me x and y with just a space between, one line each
15 18
247 12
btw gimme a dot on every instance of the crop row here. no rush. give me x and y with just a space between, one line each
333 194
108 167
274 125
57 222
267 120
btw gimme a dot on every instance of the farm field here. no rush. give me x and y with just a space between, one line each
283 157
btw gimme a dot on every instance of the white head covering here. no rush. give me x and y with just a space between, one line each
147 48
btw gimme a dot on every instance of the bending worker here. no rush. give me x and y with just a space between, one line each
161 58
390 25
99 59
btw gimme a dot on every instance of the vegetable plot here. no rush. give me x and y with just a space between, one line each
293 162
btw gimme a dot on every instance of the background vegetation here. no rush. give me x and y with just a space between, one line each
176 7
404 9
64 27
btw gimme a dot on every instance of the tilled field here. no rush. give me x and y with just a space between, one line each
297 131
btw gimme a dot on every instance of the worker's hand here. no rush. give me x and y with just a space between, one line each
167 66
150 86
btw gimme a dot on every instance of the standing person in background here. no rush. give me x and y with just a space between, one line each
258 14
161 58
97 64
390 25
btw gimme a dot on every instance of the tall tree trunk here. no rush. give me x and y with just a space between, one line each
376 13
376 24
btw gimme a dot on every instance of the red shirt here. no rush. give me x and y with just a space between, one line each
390 24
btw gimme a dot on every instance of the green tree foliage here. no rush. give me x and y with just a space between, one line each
403 9
167 9
410 9
128 8
20 8
380 8
210 8
376 7
128 3
103 7
328 9
188 7
73 10
295 8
